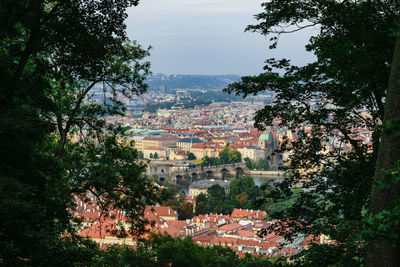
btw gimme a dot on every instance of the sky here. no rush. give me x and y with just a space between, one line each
207 37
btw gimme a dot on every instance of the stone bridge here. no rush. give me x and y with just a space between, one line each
188 175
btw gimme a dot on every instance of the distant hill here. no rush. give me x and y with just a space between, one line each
178 81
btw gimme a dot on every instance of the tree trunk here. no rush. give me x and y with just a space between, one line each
388 154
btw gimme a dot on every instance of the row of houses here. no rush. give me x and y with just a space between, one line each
174 148
238 231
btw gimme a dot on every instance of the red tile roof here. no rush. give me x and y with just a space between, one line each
249 214
230 227
245 233
224 241
161 211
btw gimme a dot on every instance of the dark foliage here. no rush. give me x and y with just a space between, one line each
328 102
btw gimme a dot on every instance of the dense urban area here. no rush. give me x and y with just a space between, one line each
105 163
203 158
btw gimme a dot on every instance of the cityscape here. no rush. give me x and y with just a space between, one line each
178 144
200 133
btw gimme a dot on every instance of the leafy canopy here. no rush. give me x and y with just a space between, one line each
56 56
327 104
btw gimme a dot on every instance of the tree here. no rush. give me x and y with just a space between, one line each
385 249
215 194
181 252
140 155
113 174
201 197
243 185
234 156
224 156
210 161
227 156
185 211
56 53
343 91
168 195
241 199
263 164
249 163
200 208
151 155
155 155
191 156
163 250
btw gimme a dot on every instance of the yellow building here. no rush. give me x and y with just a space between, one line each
252 152
202 186
187 143
160 141
138 142
201 150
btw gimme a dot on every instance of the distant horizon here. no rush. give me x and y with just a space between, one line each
191 74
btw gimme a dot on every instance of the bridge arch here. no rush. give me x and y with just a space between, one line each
195 176
209 174
224 173
239 172
179 178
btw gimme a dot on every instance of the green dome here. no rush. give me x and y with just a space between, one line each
264 137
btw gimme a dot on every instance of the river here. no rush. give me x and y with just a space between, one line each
270 179
258 180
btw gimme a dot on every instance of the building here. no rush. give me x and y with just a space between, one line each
178 154
138 142
252 152
149 152
201 186
163 141
255 215
201 150
269 143
229 228
187 143
166 213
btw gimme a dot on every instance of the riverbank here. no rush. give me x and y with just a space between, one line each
269 174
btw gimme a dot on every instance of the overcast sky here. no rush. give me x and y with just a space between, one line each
207 37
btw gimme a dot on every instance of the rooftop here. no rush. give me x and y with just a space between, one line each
190 140
205 184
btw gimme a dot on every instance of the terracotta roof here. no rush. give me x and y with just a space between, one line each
107 228
161 211
203 239
250 214
309 240
245 233
230 227
248 243
267 245
225 241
